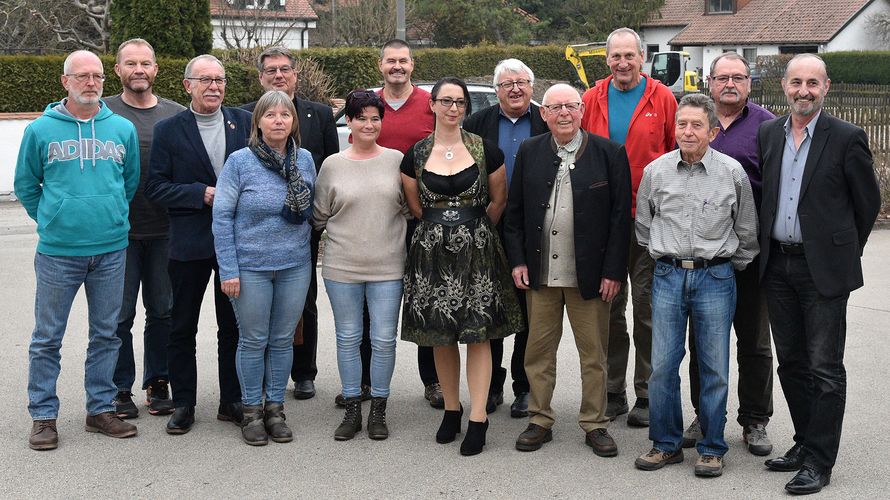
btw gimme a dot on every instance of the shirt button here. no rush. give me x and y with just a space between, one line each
548 205
555 256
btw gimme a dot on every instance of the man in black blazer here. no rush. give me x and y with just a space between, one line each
820 201
187 155
318 134
567 229
507 124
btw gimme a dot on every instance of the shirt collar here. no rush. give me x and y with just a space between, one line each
572 145
705 161
523 115
811 127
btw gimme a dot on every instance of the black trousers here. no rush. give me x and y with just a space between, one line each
189 281
753 351
517 360
304 366
810 332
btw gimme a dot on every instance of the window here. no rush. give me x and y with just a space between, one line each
721 7
798 49
651 49
750 56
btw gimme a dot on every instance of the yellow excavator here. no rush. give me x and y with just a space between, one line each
670 68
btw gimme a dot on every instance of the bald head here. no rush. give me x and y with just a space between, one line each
562 110
561 91
78 57
810 60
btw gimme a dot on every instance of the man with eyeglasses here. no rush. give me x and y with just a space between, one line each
739 119
566 235
148 241
509 122
77 170
187 155
318 134
633 109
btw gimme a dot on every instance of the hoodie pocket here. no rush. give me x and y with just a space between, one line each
88 220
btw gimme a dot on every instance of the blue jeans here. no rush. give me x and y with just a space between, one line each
384 300
146 264
708 295
268 310
58 280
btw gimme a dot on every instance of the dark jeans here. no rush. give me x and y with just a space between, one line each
189 281
146 264
304 366
809 331
517 360
753 351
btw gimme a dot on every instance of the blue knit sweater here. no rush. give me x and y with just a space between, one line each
248 230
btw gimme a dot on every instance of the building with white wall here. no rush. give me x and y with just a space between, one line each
260 23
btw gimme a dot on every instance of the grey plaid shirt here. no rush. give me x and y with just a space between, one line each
705 210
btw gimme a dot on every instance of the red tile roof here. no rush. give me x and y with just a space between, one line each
676 13
293 9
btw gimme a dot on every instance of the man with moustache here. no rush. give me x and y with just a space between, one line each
820 201
739 119
187 155
77 170
148 241
318 134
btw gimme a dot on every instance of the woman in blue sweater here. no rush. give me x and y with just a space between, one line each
261 231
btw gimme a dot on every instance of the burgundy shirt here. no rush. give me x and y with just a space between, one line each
402 128
739 141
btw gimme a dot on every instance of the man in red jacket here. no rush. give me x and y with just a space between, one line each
633 109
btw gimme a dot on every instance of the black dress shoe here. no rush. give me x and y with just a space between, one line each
519 408
494 400
182 420
230 412
808 480
304 389
791 461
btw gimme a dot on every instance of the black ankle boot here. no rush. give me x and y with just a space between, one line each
377 428
352 420
450 426
475 438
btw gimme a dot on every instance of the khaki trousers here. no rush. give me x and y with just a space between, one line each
589 320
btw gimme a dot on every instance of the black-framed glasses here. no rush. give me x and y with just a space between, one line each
571 107
206 80
272 70
520 84
448 102
736 79
85 77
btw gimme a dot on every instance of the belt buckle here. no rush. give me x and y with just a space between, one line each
687 263
450 215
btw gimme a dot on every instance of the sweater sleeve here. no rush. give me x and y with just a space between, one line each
321 206
29 174
225 205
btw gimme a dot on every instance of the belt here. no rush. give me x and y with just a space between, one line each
787 248
694 263
452 216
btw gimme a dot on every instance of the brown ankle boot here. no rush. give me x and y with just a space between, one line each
110 424
43 435
274 423
252 429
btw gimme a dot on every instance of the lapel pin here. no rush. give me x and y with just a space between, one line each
231 125
571 166
308 115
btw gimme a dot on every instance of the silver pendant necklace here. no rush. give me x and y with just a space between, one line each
449 155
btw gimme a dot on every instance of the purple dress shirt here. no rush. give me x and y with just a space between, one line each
739 141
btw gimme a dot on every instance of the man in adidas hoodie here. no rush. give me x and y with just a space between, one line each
78 168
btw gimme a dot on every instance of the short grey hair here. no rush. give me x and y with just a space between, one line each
202 57
806 56
623 31
66 66
269 100
273 52
512 66
559 86
702 102
396 43
730 56
134 41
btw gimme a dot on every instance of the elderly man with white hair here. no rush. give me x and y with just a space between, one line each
560 178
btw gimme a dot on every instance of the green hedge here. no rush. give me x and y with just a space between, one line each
858 66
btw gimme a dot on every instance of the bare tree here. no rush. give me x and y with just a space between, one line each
85 23
365 23
246 24
879 25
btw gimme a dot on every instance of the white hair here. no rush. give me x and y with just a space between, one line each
559 86
202 57
67 64
512 66
623 31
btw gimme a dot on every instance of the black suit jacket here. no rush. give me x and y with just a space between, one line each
318 131
601 197
486 123
179 173
838 203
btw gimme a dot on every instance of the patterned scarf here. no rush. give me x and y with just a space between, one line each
298 201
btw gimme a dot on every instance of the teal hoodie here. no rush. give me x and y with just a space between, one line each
76 178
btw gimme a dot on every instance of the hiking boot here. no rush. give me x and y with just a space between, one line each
692 434
377 419
340 401
273 420
352 420
602 443
253 430
124 407
616 404
655 459
756 439
43 435
639 415
433 394
110 424
709 466
533 437
157 398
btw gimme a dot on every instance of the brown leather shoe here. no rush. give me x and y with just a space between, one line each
533 437
109 424
602 443
43 435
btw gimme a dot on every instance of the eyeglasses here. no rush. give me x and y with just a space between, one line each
520 84
85 77
736 79
271 71
206 81
448 102
571 107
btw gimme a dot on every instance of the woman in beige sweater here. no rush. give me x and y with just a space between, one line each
359 200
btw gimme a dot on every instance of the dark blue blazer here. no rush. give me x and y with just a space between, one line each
179 173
